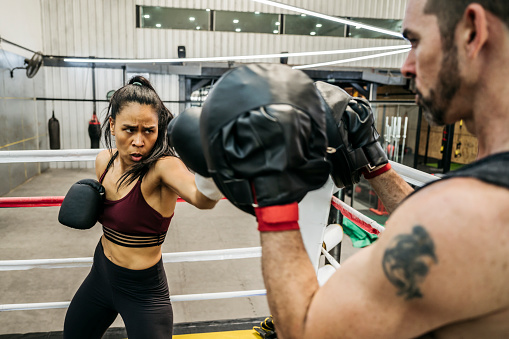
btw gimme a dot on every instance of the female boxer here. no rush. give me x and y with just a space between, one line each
142 180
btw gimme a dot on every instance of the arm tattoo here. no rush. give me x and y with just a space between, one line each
407 260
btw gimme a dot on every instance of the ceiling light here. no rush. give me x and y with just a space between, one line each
198 27
278 23
146 16
312 33
303 15
318 25
331 18
237 29
192 18
208 9
257 12
239 57
158 25
344 61
236 21
275 31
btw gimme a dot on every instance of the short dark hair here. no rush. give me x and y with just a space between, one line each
141 91
449 13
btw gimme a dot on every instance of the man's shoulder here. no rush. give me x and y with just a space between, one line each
456 233
466 195
459 214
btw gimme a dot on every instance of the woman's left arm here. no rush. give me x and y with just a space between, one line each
174 174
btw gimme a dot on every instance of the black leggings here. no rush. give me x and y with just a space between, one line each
141 297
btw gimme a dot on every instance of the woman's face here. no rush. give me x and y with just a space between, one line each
135 131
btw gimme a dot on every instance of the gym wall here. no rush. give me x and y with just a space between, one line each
107 28
23 122
20 22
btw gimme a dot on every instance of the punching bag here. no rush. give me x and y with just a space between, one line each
54 132
94 131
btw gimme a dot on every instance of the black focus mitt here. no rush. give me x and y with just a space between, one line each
263 137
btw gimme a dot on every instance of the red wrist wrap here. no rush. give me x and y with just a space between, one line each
278 218
381 170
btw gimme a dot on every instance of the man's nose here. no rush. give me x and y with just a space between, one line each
408 68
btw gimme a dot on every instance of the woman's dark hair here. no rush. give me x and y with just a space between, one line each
139 90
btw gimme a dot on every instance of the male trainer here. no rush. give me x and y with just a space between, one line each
440 270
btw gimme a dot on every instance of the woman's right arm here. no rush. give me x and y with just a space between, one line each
174 174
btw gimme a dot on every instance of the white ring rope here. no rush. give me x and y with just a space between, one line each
412 175
182 297
211 255
59 155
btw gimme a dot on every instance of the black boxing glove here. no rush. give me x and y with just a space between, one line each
82 204
363 134
353 147
184 137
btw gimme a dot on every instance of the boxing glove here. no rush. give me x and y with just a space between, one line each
82 204
353 147
362 133
184 137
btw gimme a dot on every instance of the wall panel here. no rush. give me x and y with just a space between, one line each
20 22
107 28
22 120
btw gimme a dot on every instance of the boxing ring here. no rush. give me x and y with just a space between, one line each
319 237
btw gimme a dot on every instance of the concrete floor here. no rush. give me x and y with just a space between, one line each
34 233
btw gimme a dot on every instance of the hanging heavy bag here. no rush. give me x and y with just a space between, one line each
54 132
94 131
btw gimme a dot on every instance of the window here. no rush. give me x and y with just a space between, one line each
393 25
253 22
174 18
309 25
256 22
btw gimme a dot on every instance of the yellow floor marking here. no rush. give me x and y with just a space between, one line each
248 334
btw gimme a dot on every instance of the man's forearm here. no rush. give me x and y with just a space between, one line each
290 281
391 189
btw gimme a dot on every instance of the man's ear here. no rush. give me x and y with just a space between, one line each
474 29
112 126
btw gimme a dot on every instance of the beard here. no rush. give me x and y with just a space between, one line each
436 105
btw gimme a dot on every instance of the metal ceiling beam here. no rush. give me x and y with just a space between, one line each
389 79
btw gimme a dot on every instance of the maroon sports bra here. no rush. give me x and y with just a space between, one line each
131 221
